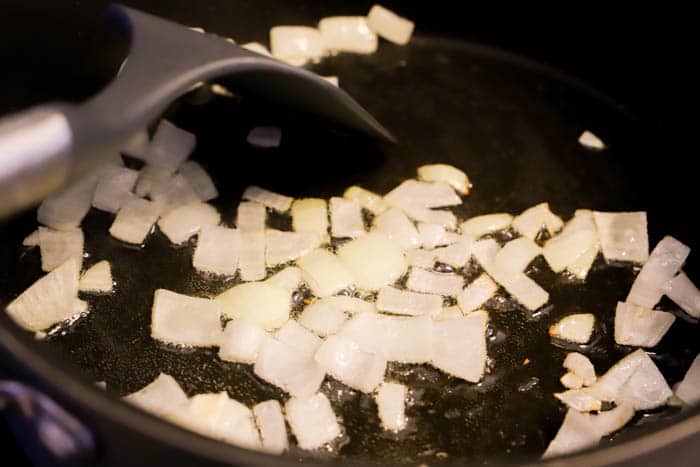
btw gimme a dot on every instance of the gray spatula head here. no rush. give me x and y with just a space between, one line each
42 148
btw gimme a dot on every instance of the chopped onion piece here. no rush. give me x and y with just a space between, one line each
576 328
577 432
571 380
312 420
420 258
373 260
347 34
663 263
289 369
137 145
346 218
579 399
325 273
279 203
639 326
327 315
404 302
459 346
32 239
689 389
531 221
135 220
612 420
310 215
368 200
184 320
97 279
432 216
241 341
265 136
250 217
448 312
182 223
389 25
489 223
159 397
281 246
173 193
251 259
273 431
591 141
170 146
431 235
391 404
199 180
446 173
457 254
258 48
623 235
565 250
415 194
400 230
342 358
114 188
517 254
684 293
150 179
476 293
265 304
295 335
65 210
57 246
438 283
288 278
580 365
48 301
296 44
217 250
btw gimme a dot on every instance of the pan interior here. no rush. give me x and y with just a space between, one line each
512 126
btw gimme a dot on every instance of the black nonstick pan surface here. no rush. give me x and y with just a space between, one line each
512 124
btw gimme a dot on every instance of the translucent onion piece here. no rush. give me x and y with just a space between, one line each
689 389
326 315
325 273
438 283
137 145
251 259
241 341
571 380
310 215
173 193
295 335
684 293
217 250
296 44
114 188
457 254
57 246
612 420
151 178
346 218
365 198
273 431
431 235
184 320
282 247
489 223
65 210
279 203
312 421
517 254
623 235
459 346
258 48
97 279
580 365
348 34
433 216
476 293
265 136
48 301
250 217
663 263
420 258
373 260
579 399
170 146
342 358
288 278
639 326
32 239
576 328
564 251
182 223
415 194
445 173
135 220
265 304
287 368
577 432
397 226
159 397
199 180
391 405
404 302
536 218
389 25
591 141
447 312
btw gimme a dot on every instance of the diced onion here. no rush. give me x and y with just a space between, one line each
610 421
114 188
389 25
566 250
476 293
295 335
447 312
251 259
265 304
639 326
400 230
325 273
184 320
663 263
217 250
199 180
279 203
173 193
346 218
571 380
365 198
345 361
137 145
591 141
287 368
534 219
373 260
684 293
457 254
170 146
288 278
623 235
159 397
310 215
446 173
273 431
576 328
327 315
489 223
97 279
57 246
420 258
241 341
438 283
577 432
32 239
151 178
66 210
312 421
391 403
433 216
135 220
580 365
459 346
296 44
282 246
579 399
250 217
404 302
517 254
431 235
415 194
183 222
265 136
258 48
347 34
689 389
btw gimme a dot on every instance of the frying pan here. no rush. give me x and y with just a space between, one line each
453 95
